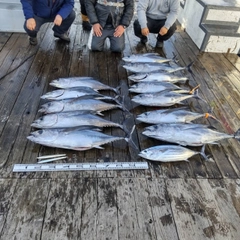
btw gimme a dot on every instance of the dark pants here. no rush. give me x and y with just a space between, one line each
83 9
154 26
63 28
117 44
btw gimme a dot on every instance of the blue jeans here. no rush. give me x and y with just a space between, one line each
63 28
154 26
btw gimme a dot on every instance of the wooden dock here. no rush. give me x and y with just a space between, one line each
184 200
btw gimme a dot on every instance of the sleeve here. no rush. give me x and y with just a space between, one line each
66 8
27 8
91 12
128 13
172 16
141 12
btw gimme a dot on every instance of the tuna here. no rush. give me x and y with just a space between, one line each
77 104
187 134
81 82
154 67
156 76
61 94
164 98
146 58
152 87
170 153
72 119
77 139
177 115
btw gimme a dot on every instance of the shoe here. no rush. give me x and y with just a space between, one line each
159 44
62 36
144 40
33 41
86 26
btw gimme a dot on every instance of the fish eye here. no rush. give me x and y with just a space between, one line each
155 127
41 118
40 131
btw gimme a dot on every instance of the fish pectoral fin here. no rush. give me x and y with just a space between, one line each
98 147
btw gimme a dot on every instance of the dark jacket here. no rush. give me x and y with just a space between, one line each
98 13
46 8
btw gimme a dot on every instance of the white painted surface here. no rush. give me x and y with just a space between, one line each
222 44
231 3
190 18
11 16
223 15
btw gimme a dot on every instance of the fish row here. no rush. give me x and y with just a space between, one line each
71 119
156 85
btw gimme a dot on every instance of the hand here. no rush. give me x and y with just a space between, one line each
163 31
58 20
145 31
119 31
97 30
31 24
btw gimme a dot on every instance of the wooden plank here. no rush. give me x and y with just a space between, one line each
89 209
143 209
163 218
7 188
64 208
26 211
128 227
107 222
4 37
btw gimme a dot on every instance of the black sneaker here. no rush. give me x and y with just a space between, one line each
144 40
62 36
159 44
33 41
86 26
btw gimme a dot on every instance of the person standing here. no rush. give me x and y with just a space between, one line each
38 12
109 19
156 16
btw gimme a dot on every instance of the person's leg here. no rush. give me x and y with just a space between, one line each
97 43
66 24
117 44
138 33
33 33
85 20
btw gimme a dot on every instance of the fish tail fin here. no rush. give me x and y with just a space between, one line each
204 155
130 140
188 67
237 134
195 93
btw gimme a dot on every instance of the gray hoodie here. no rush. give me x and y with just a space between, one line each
158 9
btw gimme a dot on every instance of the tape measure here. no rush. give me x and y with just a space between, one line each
79 166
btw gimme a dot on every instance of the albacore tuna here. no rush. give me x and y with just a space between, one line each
175 115
72 119
81 82
187 134
164 99
146 58
69 105
151 87
79 140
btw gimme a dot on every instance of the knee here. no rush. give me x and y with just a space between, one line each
117 49
96 48
72 15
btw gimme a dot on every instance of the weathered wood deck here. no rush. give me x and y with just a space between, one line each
185 200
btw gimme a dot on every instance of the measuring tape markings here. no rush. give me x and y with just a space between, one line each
79 166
